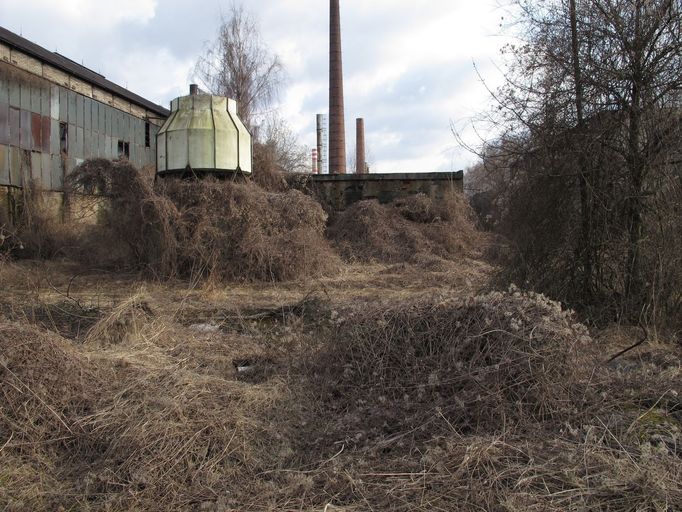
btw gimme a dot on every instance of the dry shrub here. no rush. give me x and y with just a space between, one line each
486 362
207 229
240 231
395 233
137 229
37 232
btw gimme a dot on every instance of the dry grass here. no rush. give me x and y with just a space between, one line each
208 230
378 389
410 228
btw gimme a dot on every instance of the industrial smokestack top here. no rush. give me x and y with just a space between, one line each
203 134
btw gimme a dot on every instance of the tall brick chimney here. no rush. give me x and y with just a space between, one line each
337 125
360 163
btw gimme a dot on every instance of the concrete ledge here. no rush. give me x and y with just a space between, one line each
339 191
418 176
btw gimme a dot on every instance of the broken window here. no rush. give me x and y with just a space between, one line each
147 135
123 149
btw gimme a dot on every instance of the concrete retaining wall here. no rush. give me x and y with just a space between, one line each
338 191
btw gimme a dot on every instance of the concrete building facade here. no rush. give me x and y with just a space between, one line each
55 113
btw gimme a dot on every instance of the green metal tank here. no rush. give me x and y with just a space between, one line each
203 135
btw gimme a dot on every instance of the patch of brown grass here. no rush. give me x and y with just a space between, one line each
408 228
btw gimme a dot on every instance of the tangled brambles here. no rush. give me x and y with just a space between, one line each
205 230
485 362
406 229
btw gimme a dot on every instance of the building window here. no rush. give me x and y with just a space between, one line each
123 149
147 135
63 139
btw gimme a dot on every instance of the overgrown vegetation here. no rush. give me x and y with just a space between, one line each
205 230
584 179
500 401
408 230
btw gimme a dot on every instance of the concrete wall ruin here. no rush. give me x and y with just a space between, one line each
338 191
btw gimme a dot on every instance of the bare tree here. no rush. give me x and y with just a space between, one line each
240 66
591 114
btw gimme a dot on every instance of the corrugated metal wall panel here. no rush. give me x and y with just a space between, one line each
4 165
78 150
54 102
63 105
80 110
25 92
36 101
54 139
46 133
25 138
14 126
45 102
72 106
15 166
36 132
87 114
108 113
14 95
87 144
56 174
36 172
46 171
4 123
4 90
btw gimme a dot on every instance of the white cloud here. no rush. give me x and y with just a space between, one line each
408 63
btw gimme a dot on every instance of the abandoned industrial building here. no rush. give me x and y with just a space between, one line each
55 113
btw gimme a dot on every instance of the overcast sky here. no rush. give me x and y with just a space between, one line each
408 64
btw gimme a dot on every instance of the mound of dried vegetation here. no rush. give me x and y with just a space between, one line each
500 402
208 229
405 230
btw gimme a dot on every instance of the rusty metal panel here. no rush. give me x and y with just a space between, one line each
72 107
36 101
4 123
14 94
45 132
87 114
54 138
54 102
63 105
14 126
36 135
78 150
15 166
57 172
4 165
80 110
25 136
